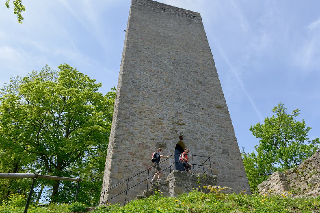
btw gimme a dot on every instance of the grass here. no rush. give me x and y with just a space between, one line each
194 202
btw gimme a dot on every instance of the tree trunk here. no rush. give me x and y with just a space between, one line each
55 189
59 167
56 184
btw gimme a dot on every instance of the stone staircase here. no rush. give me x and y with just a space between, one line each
179 182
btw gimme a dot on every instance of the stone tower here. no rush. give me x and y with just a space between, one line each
169 95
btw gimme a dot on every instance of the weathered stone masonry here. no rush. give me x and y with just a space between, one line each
168 86
302 181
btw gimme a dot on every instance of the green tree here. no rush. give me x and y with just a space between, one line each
57 123
18 8
283 144
10 163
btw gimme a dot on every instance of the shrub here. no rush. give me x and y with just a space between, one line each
77 207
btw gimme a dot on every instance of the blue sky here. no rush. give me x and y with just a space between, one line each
265 52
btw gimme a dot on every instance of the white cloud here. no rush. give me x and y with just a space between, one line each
75 14
308 54
243 21
12 61
8 53
314 25
91 16
235 71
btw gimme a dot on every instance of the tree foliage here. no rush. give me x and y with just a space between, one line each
57 123
18 8
283 144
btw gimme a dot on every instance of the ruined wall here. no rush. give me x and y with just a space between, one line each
168 86
303 181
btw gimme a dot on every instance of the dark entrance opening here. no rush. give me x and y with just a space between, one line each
178 150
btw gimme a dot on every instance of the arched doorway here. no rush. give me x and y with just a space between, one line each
178 150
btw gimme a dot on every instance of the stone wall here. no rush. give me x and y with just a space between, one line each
302 181
276 183
183 182
168 86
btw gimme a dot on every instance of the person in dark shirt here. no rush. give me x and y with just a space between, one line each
156 156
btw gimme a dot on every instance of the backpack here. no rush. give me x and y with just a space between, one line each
155 157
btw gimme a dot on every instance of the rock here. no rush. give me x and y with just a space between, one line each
90 209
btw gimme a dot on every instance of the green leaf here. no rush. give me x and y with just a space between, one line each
57 122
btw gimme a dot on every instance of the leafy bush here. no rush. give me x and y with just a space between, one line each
16 200
15 203
77 207
195 201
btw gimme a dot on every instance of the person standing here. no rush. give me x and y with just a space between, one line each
156 156
185 160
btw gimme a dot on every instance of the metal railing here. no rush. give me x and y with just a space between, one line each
34 177
205 164
139 183
141 172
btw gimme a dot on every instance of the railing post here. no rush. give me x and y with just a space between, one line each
125 199
148 181
78 185
30 195
210 165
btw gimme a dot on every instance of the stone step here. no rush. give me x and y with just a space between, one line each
178 182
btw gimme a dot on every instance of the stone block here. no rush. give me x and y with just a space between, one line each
183 182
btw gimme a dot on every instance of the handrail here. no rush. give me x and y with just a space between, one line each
118 184
129 188
34 177
203 164
148 177
200 156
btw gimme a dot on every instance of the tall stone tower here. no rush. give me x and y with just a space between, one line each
169 95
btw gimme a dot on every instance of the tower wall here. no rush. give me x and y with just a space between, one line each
168 86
